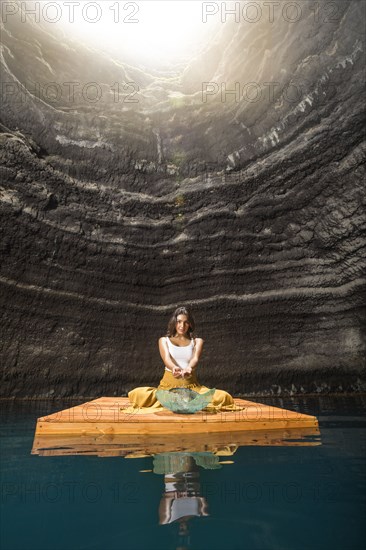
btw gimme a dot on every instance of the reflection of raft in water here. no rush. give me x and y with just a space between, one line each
137 446
107 416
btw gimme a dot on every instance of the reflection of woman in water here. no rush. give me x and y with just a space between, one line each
180 352
182 500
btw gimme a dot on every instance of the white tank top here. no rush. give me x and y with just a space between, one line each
181 354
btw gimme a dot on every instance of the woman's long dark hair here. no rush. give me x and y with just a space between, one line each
173 321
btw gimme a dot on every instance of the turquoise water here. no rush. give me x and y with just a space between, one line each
269 497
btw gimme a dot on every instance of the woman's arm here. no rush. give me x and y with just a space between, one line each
196 353
167 360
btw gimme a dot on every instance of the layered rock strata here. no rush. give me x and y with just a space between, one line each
247 206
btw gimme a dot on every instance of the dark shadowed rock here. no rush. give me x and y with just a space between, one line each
248 206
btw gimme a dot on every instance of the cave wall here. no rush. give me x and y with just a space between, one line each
251 212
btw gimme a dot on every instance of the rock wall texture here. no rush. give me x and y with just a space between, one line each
119 203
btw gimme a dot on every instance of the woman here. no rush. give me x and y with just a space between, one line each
180 352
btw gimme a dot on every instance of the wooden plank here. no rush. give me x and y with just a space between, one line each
106 416
105 411
142 427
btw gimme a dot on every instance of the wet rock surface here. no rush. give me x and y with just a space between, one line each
252 212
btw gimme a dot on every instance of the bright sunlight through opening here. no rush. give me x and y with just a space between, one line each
148 32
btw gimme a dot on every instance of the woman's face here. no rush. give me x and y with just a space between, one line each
182 325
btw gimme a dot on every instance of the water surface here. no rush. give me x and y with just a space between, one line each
257 497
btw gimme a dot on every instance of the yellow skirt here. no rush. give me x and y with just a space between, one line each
143 400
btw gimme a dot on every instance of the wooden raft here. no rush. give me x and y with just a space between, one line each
107 416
